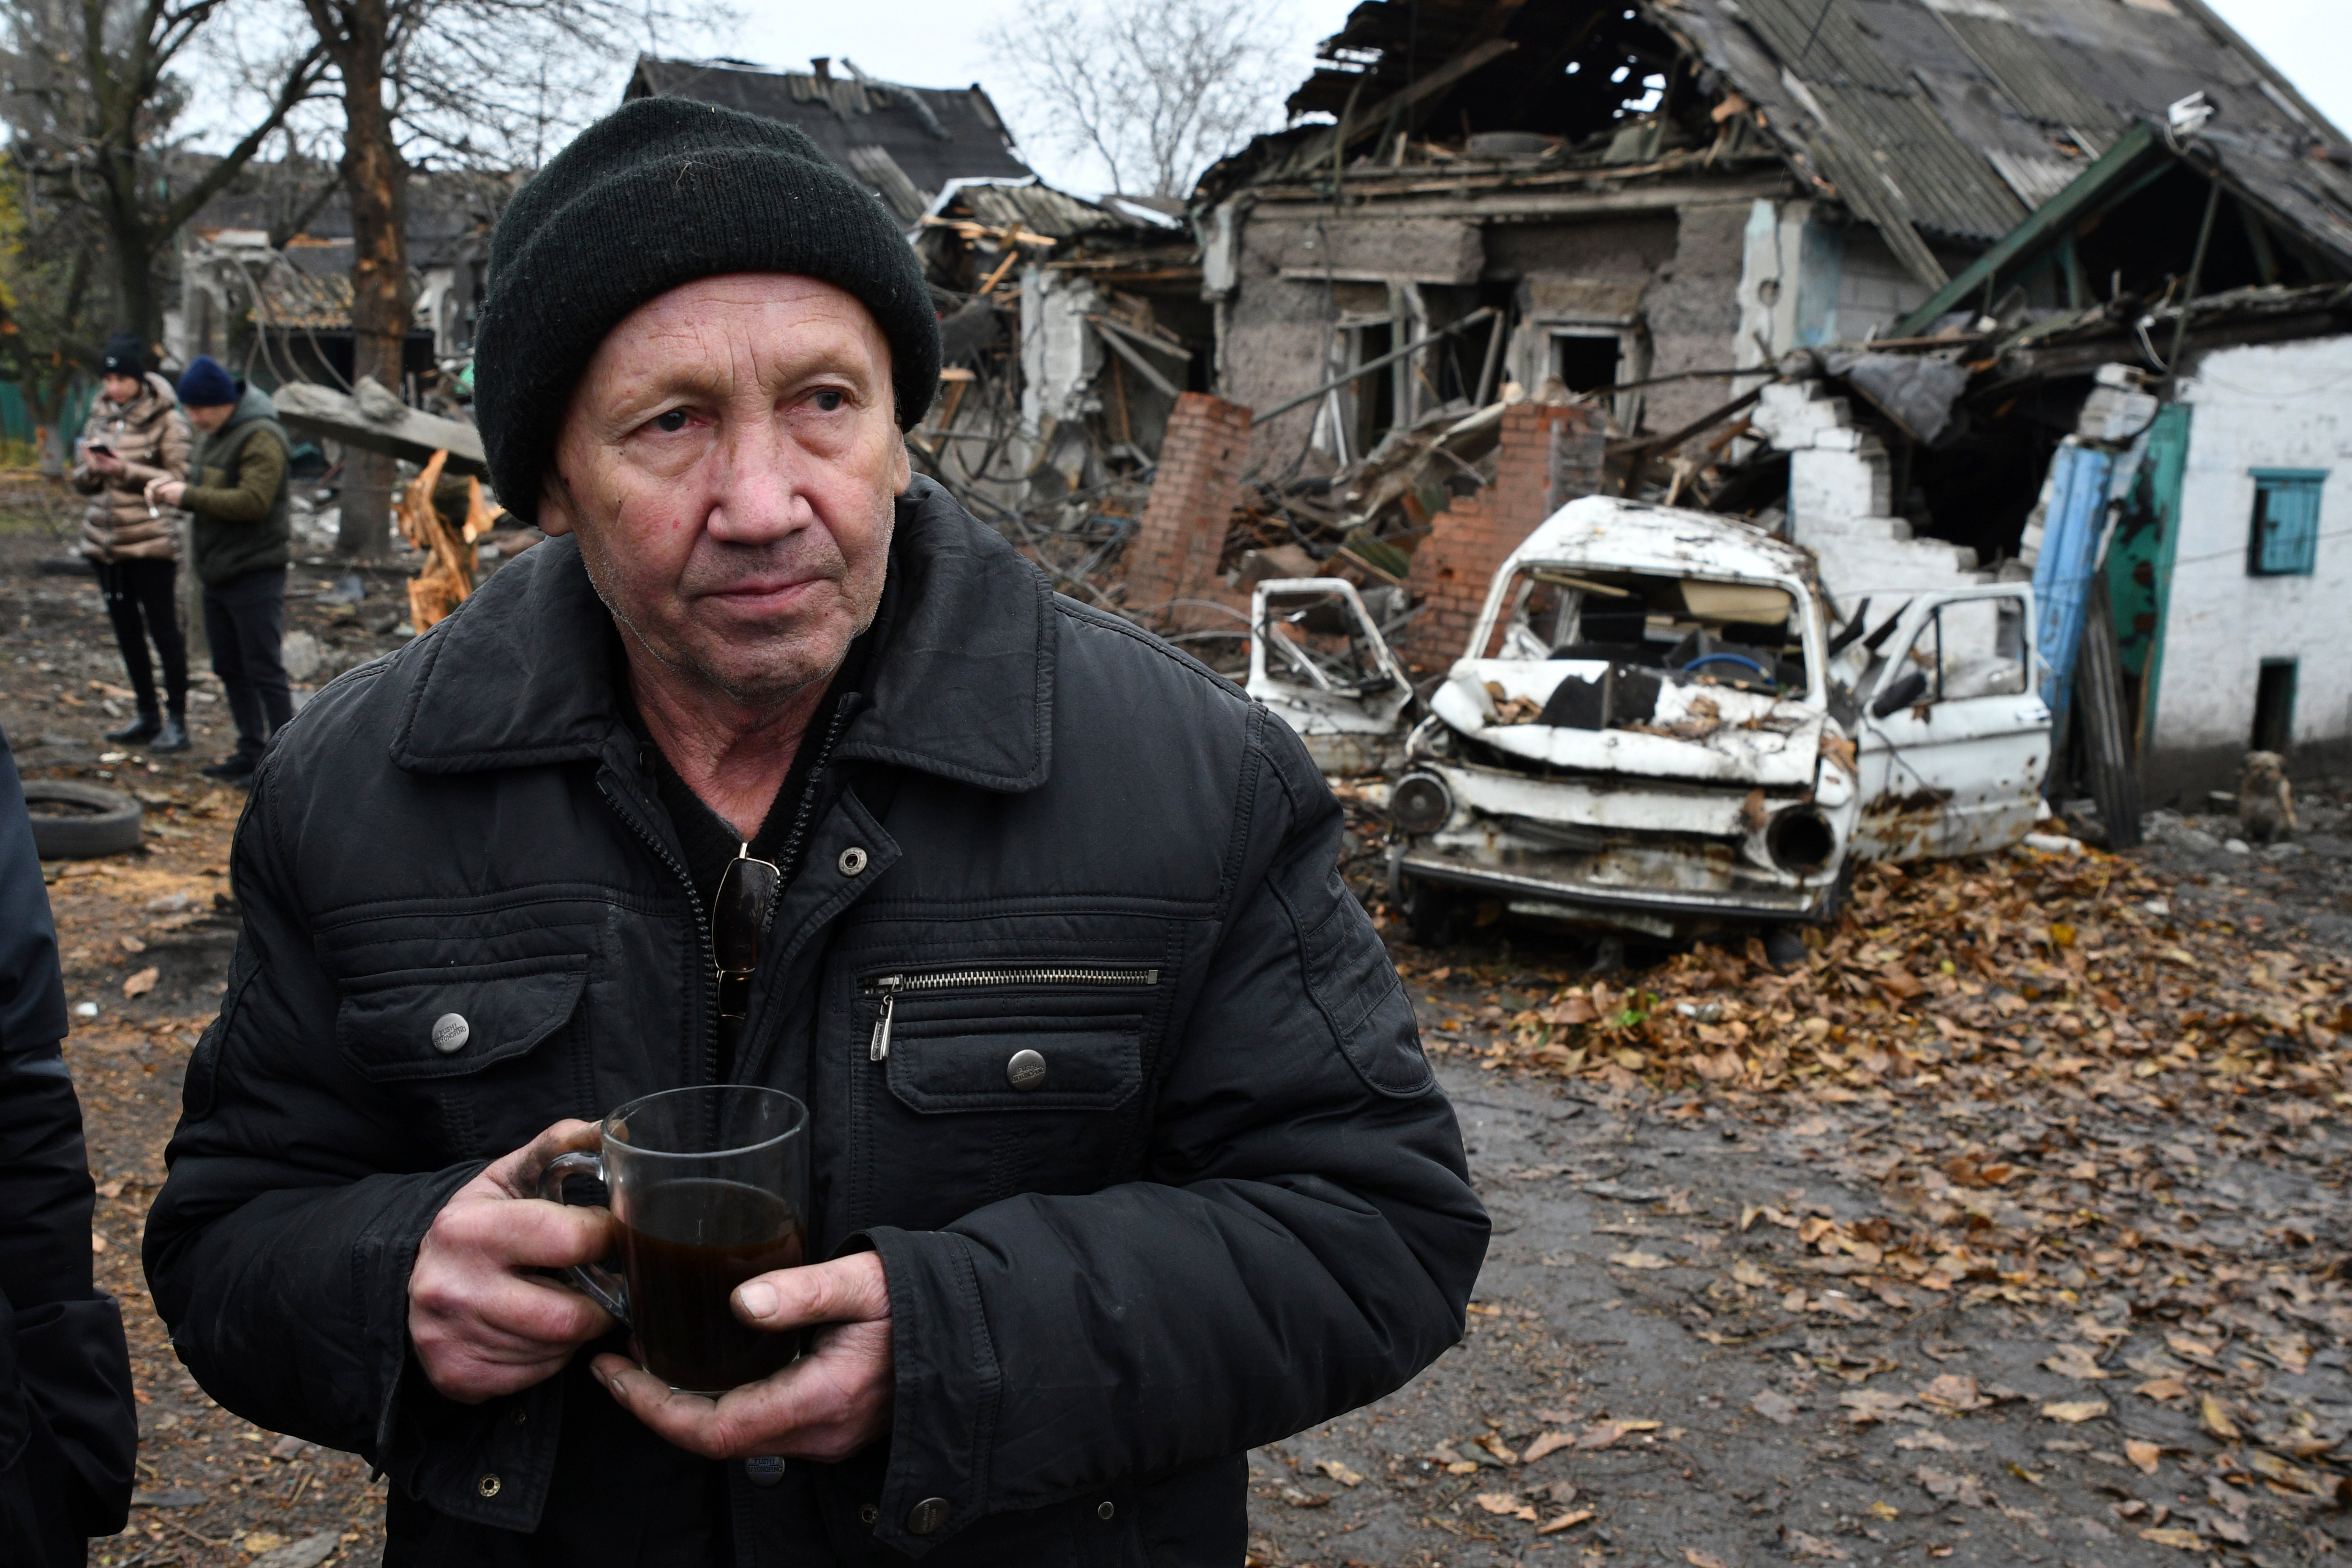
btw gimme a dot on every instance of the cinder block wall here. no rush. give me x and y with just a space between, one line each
1456 563
1173 555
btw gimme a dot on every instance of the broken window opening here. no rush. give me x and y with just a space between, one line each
1586 361
1970 647
1742 635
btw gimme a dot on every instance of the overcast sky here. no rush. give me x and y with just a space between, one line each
936 42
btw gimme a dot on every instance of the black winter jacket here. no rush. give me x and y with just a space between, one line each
68 1436
1235 1206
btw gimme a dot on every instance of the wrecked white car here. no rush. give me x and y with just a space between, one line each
1654 732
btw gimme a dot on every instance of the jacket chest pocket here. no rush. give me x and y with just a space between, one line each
988 1081
473 1042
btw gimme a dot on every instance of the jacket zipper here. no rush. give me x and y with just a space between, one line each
701 928
891 987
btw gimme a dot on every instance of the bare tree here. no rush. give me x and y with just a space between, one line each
94 93
1155 89
477 84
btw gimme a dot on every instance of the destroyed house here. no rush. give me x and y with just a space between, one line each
1070 328
1681 188
266 268
1637 214
903 143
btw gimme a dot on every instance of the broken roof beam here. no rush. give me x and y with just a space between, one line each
2108 179
1354 128
379 422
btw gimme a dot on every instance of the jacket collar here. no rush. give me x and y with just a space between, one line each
960 684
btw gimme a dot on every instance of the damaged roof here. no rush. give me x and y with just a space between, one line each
1943 123
907 144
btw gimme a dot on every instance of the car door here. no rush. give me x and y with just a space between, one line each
1319 661
1954 740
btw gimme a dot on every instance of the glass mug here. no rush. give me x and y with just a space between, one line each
709 1187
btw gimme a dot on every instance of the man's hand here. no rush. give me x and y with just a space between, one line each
481 1327
827 1405
167 492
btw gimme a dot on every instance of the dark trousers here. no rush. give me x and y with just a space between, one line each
139 602
245 619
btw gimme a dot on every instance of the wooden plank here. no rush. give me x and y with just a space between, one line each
1375 118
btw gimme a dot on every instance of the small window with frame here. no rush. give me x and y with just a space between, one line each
2284 541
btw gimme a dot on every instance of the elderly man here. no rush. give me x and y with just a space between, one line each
1125 1157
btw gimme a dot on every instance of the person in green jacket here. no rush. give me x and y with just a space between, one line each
243 537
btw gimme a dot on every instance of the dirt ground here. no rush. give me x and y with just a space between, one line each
2011 1227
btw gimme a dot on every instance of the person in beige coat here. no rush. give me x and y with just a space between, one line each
136 433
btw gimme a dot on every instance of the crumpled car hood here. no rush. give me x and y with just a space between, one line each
1699 733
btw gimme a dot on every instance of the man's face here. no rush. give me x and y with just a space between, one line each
209 417
121 388
729 460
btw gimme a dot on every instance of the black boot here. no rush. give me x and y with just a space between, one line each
172 736
148 725
235 768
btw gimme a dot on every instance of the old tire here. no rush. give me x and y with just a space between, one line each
95 822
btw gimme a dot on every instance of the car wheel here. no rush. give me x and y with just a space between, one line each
82 821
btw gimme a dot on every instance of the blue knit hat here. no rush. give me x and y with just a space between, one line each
205 385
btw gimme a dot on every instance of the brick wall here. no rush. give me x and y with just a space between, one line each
1173 554
1453 566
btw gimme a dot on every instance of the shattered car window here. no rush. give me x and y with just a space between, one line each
1317 637
1743 635
1971 648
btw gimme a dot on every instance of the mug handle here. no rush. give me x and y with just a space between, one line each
599 1284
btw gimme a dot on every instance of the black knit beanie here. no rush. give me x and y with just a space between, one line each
124 356
659 193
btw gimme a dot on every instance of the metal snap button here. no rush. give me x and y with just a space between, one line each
927 1515
517 1416
1104 1512
852 861
764 1469
488 1486
450 1032
1026 1070
867 1513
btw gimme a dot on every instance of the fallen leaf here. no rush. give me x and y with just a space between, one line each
1297 1497
2162 1388
264 1540
1698 1558
1864 1405
1944 1487
2216 1420
1745 1273
1804 1545
97 1242
1640 1260
131 943
1953 1391
1340 1473
2074 1411
1499 1449
2186 1540
1564 1521
1503 1504
1885 1510
2074 1362
141 982
1775 1407
2143 1454
1546 1443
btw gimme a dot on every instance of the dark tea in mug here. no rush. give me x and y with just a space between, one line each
708 1187
685 1246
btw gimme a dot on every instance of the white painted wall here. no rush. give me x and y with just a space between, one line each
2278 406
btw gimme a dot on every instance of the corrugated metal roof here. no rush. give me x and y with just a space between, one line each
1027 204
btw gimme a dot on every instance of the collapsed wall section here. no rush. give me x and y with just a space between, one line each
1549 455
1172 562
